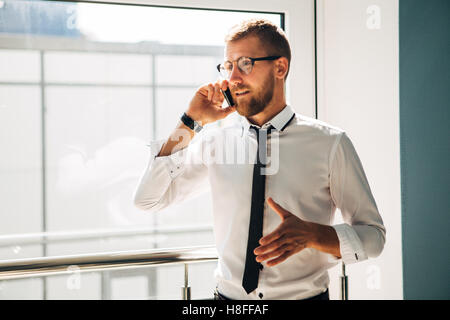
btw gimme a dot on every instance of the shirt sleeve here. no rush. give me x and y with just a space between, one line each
363 233
171 179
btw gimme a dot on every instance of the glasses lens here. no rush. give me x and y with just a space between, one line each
245 65
225 69
228 68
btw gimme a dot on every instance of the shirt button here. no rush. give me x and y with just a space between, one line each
260 295
260 266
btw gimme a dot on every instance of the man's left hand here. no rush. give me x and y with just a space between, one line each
291 236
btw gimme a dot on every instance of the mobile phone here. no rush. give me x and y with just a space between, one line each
228 97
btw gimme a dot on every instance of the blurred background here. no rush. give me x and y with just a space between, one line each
85 87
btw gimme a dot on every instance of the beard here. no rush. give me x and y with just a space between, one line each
249 106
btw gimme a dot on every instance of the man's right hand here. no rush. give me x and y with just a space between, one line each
206 105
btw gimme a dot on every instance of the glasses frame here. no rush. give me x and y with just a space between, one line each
269 58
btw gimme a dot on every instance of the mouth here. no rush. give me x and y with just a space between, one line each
242 93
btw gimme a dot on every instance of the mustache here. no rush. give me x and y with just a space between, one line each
238 88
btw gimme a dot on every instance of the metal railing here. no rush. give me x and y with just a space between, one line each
344 283
47 266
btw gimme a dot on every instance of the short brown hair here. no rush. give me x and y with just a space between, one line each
270 35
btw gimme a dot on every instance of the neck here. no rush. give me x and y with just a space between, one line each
274 107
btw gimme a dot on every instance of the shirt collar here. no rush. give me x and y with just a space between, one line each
279 122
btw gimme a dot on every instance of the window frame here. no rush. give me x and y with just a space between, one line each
297 19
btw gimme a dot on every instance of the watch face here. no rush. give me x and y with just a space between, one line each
197 127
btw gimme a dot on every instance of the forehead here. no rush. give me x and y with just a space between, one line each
247 47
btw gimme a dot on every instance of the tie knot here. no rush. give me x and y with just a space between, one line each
257 130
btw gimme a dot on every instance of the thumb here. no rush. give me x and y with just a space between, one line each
278 209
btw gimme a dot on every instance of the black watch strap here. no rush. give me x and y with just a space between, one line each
189 122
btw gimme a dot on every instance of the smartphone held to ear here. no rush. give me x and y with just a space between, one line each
228 97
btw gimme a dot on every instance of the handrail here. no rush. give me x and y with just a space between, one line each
64 236
45 266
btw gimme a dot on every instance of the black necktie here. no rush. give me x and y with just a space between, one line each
252 267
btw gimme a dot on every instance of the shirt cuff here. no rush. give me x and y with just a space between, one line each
174 163
350 245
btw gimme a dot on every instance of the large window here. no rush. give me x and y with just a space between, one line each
84 87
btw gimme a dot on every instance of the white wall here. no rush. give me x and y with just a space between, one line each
358 91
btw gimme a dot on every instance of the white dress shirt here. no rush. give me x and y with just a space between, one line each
313 170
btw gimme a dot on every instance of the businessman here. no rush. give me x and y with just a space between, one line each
273 215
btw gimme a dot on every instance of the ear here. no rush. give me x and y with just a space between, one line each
281 67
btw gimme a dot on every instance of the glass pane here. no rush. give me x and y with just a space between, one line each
20 127
20 161
144 283
131 287
171 102
74 286
22 289
20 65
102 68
186 70
113 78
95 155
193 27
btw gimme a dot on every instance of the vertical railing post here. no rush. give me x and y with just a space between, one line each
344 284
186 290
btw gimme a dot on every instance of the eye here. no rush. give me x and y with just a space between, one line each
245 64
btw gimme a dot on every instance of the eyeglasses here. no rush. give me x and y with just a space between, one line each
245 65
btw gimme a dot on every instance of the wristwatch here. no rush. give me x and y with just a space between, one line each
189 122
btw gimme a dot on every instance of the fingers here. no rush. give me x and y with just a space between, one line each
280 259
281 253
213 92
210 90
224 85
218 96
273 246
275 253
274 235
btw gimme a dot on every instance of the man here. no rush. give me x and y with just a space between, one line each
272 227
